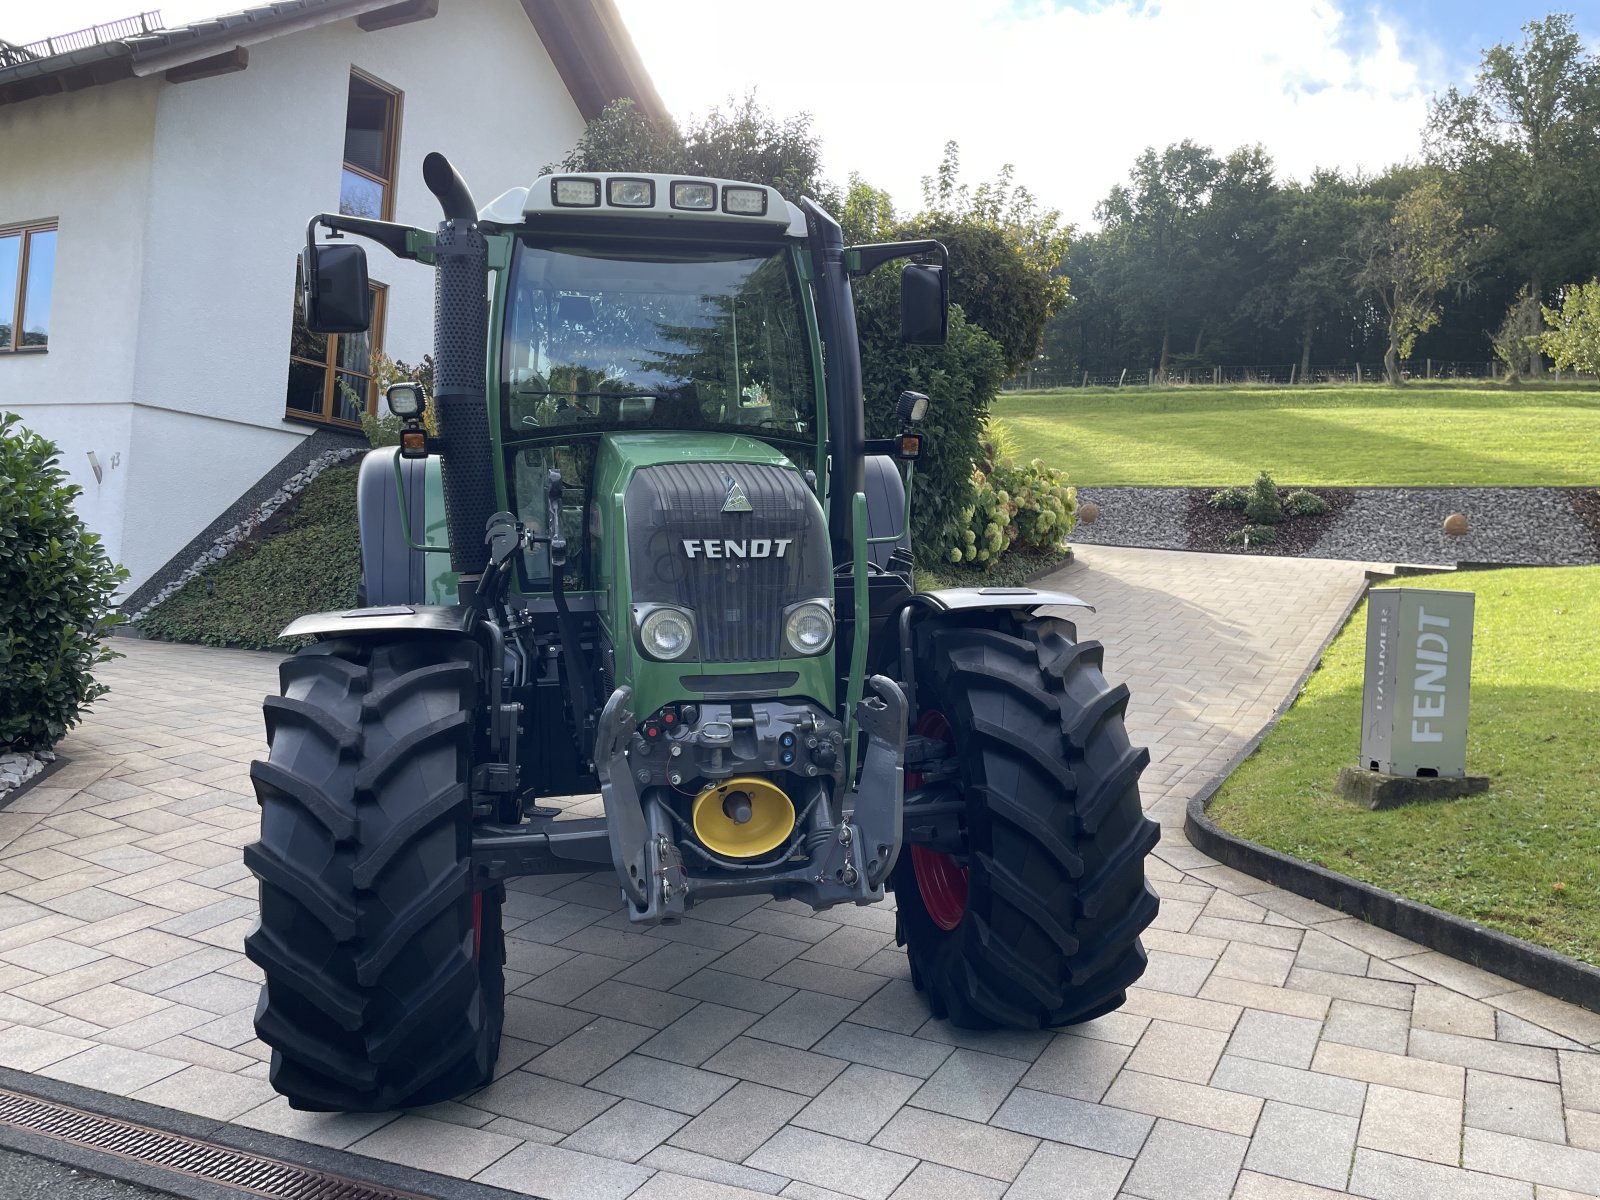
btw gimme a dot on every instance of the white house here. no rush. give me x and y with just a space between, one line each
154 191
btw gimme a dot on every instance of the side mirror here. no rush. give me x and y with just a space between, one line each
337 296
924 304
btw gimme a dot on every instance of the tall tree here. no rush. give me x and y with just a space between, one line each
1408 260
1523 145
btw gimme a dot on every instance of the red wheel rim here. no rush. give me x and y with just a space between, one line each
941 880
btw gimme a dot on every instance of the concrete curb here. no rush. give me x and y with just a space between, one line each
1489 949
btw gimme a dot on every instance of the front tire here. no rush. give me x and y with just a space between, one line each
1037 923
383 964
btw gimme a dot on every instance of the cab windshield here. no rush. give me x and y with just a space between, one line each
599 339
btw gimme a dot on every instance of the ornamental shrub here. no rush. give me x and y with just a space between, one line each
56 585
1301 503
1253 535
1230 499
1263 507
1023 506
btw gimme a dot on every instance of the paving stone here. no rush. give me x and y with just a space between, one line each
1455 974
1579 1024
204 1092
554 1173
1082 1068
1177 1052
761 955
637 1005
686 1163
776 1066
971 1085
581 1056
820 977
335 1130
858 1103
1374 1066
1413 1124
564 982
968 1145
23 1048
1181 974
665 1185
897 1007
1308 1089
541 1100
1353 1024
736 991
112 1069
1583 1129
1580 1079
739 1122
1530 1062
1184 1010
667 966
1303 1144
1444 1011
846 1167
1063 1119
1514 1029
666 1084
1213 1108
1273 1037
545 1024
1123 1028
1392 1177
1523 1107
698 1034
1319 952
146 1032
1182 1162
887 1051
1026 1044
1057 1171
214 993
1258 964
847 947
802 1019
1254 1186
626 1131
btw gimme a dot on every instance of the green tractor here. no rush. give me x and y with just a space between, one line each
650 553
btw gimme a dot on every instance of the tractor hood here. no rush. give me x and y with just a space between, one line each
722 528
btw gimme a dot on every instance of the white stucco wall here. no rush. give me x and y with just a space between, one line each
234 166
83 158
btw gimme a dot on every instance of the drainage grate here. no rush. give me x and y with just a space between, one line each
251 1173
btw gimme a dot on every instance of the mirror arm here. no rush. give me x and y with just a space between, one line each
403 241
861 259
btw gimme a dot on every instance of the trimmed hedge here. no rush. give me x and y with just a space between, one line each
56 585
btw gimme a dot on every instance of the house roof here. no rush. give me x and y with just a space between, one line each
586 40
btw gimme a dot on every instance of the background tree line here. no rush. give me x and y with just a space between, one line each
1208 260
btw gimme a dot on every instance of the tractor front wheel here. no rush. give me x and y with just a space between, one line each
382 962
1035 922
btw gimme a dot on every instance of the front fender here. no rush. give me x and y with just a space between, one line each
994 598
394 618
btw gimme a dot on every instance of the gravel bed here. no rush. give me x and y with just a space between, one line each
1533 526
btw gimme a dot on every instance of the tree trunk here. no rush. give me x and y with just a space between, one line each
1535 355
1198 334
1391 363
1166 338
1305 347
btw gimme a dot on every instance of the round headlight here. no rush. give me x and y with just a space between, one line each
809 628
667 633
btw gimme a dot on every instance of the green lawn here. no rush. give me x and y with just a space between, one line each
1523 858
1320 436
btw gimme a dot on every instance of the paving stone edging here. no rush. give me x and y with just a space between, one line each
1498 953
359 1167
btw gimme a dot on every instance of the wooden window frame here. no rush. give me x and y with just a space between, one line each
331 370
391 142
25 232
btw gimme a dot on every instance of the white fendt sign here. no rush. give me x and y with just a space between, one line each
1419 671
736 547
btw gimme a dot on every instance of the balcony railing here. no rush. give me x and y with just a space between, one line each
112 31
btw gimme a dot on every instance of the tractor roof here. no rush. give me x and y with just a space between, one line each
727 202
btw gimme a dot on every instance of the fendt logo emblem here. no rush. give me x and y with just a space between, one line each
736 547
735 500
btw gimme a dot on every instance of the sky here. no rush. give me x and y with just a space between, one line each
1067 91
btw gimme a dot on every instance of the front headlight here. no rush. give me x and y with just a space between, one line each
667 633
808 628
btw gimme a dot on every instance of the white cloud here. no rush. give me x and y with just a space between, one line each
1069 95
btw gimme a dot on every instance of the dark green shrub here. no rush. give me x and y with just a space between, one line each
56 585
1253 535
1230 499
312 564
1301 503
1263 507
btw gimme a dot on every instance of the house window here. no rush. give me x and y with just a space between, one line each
27 271
330 374
371 126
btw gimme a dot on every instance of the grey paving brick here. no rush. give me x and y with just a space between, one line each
802 1019
1211 1107
1273 1037
1026 1044
1353 1024
220 1095
112 1069
1303 1144
1413 1124
1509 1028
929 1181
667 966
884 1050
1181 974
665 1084
1319 952
1259 964
1329 1093
761 955
563 982
540 1100
1062 1119
1524 1107
1082 1068
971 1085
1530 1062
1580 1079
667 1185
739 1122
220 994
1391 1070
640 1006
1444 1011
1392 1177
775 920
686 1163
698 1034
560 922
627 1131
23 1048
336 1130
737 991
897 1007
1182 1162
820 977
1057 1171
968 1145
1177 1052
858 1103
848 946
582 1055
554 1173
833 1163
776 1066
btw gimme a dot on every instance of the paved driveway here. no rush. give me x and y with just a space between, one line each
1274 1048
